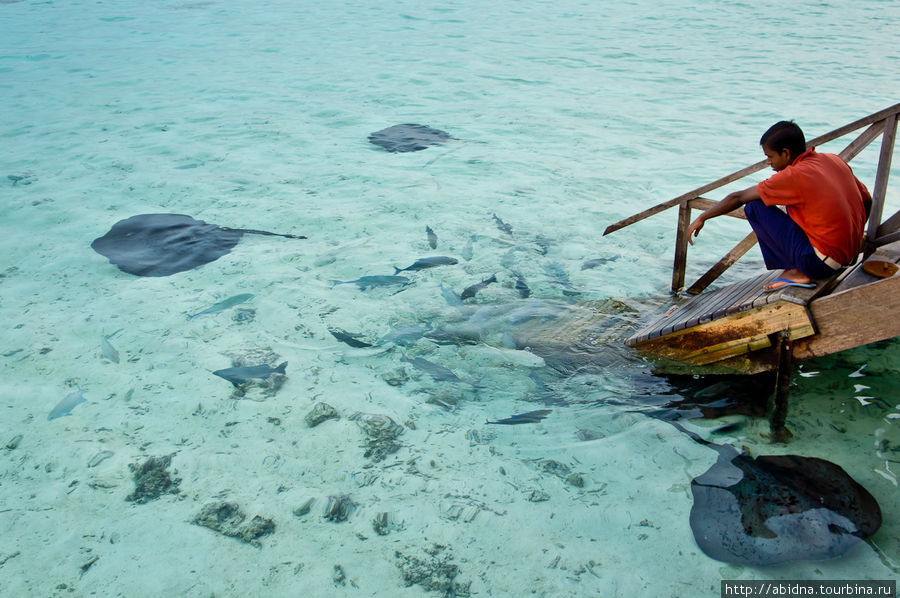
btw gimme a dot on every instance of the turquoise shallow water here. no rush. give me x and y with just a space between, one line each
566 117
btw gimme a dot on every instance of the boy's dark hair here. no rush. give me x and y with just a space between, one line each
784 135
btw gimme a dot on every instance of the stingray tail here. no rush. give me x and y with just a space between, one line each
251 231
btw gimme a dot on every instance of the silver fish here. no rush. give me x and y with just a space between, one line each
532 417
223 305
108 350
241 375
406 335
368 282
432 238
504 227
349 337
428 262
471 291
522 286
467 250
599 261
438 372
64 407
450 296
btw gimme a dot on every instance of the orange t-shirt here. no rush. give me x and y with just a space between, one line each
824 198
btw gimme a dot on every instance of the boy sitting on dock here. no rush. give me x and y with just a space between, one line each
827 207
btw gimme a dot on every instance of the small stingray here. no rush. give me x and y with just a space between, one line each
779 508
408 138
163 244
532 417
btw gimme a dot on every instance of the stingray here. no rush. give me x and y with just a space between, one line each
408 138
775 509
163 244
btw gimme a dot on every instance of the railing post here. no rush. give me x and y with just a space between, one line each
681 246
879 191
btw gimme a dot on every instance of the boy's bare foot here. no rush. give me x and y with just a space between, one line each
786 278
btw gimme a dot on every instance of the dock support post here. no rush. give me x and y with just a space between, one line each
681 247
778 406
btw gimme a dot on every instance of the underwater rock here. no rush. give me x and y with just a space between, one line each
396 377
435 573
320 412
408 138
304 507
536 495
339 508
382 433
339 578
575 479
244 315
384 523
152 480
560 470
228 519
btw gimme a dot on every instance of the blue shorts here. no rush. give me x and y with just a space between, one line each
782 242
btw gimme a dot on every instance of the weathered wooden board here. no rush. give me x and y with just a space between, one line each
853 318
732 335
861 310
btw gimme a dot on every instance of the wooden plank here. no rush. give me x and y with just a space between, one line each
730 178
857 124
888 238
891 225
862 142
732 299
856 276
723 264
754 290
726 300
681 247
733 335
659 323
879 191
739 174
852 318
702 203
697 309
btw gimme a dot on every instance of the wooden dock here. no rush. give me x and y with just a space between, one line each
736 328
740 327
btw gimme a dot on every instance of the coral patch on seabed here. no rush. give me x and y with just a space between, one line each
152 480
227 518
436 572
320 412
381 432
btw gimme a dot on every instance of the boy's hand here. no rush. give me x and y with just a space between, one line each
694 229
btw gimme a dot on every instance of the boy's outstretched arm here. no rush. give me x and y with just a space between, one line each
729 203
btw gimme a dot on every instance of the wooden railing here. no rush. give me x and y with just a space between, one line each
882 123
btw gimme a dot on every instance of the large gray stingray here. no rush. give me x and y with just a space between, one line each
163 244
779 508
408 138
